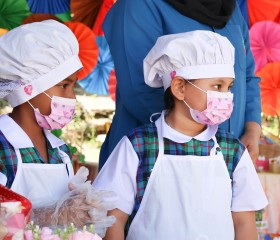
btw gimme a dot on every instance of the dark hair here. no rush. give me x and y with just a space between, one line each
168 99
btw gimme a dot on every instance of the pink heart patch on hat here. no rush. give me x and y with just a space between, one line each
173 74
28 89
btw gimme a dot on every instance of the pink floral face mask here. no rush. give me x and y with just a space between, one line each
219 108
62 112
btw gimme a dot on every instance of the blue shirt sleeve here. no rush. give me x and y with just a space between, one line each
253 100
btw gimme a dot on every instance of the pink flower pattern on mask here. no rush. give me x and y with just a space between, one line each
62 112
219 108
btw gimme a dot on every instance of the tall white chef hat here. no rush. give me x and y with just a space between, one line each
191 55
34 57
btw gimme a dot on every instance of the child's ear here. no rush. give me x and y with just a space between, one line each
178 88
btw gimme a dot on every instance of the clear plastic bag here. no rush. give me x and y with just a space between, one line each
82 205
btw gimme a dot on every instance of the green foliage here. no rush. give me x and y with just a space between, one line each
80 131
259 215
4 106
57 132
271 125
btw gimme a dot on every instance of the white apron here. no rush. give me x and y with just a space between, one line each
186 198
42 184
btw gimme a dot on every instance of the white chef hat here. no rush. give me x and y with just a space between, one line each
34 57
191 55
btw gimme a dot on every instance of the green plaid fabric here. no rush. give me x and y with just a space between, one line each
8 158
145 143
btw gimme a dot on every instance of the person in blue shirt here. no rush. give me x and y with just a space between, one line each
132 28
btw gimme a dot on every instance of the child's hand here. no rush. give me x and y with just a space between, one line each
79 178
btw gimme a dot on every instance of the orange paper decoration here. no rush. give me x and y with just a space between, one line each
88 49
270 88
260 10
3 31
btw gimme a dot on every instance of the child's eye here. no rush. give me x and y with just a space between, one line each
63 86
217 86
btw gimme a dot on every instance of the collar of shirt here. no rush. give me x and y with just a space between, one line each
19 139
172 134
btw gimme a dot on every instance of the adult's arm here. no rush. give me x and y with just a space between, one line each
250 139
131 29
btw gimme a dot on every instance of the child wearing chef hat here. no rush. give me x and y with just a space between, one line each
181 177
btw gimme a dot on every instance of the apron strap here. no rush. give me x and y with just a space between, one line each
19 158
66 160
160 139
216 150
19 168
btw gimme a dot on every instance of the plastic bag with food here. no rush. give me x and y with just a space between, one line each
82 205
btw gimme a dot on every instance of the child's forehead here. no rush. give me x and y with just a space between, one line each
221 79
71 78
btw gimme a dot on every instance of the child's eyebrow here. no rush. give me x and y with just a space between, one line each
220 80
70 80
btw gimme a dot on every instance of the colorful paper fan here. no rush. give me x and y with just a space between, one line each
261 10
3 31
97 81
65 17
112 85
270 88
49 6
12 13
88 49
97 28
265 43
38 17
85 11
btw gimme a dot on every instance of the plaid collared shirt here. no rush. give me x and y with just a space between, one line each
145 143
8 158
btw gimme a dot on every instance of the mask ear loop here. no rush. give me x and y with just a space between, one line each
47 95
187 104
33 106
196 86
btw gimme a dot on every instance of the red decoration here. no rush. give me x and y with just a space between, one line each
112 85
97 28
260 10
